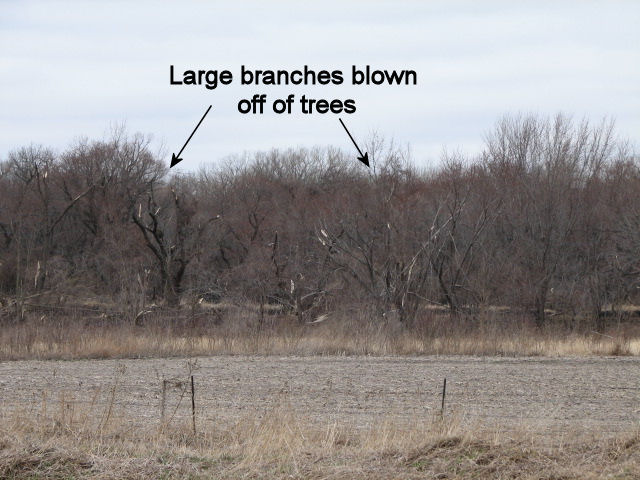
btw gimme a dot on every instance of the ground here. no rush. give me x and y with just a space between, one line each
490 401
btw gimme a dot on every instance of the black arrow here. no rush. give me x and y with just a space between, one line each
363 158
175 159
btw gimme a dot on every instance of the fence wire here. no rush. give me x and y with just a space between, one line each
322 393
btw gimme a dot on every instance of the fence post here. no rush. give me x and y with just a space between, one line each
444 393
163 401
193 406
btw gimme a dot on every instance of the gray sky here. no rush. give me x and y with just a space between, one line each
69 69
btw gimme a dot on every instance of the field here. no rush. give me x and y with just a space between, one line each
322 417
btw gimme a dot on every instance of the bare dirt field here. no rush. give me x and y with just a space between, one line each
549 395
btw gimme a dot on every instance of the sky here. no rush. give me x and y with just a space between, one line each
73 69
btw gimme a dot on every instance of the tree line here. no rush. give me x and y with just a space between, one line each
544 221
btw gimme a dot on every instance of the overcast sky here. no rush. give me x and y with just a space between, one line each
70 69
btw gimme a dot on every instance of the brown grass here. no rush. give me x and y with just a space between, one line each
74 337
62 438
63 443
63 435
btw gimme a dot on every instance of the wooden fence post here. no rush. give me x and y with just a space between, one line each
193 406
163 401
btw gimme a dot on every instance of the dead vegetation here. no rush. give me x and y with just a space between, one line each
281 445
185 333
112 420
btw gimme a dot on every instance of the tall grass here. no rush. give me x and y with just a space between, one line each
61 440
72 336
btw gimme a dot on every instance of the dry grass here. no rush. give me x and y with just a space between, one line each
72 338
61 444
61 438
91 434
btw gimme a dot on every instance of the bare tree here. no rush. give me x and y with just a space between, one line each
543 166
173 228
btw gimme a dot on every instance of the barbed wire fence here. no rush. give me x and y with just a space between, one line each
197 401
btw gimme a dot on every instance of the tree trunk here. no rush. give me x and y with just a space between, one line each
173 283
170 295
541 301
